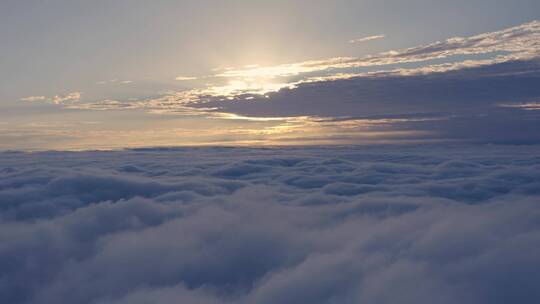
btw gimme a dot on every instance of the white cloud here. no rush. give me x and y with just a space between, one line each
365 39
103 105
34 98
521 41
524 106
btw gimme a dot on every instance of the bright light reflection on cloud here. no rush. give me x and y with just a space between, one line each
523 106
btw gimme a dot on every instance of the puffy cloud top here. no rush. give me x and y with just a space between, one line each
394 224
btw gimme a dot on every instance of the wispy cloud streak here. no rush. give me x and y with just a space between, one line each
56 99
365 39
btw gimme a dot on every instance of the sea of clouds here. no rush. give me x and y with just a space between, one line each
384 224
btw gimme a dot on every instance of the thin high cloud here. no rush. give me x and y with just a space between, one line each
526 106
114 81
516 43
59 99
522 41
366 39
34 98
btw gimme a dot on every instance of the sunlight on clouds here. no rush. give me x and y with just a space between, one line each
232 116
103 105
522 41
216 129
516 43
58 99
523 106
286 70
34 98
254 84
185 78
247 86
310 130
114 81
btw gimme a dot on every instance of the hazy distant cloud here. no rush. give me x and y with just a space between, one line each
462 97
525 106
521 41
184 78
59 99
467 89
34 98
106 104
114 81
364 39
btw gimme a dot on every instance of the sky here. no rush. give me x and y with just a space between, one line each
249 151
79 75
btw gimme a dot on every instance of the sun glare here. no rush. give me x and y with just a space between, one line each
252 86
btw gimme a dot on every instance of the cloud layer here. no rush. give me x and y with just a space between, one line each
365 39
444 224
